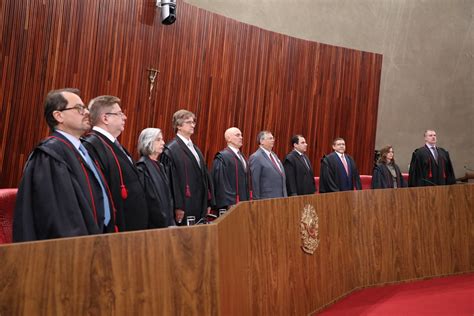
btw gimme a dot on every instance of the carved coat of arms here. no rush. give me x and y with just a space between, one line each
309 229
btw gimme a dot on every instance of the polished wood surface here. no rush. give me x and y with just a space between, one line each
249 262
154 273
366 238
228 73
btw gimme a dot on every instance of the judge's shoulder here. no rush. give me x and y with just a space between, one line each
220 154
52 142
419 149
172 144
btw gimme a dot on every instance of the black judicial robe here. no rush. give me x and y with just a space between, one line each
132 212
191 186
227 173
333 177
382 177
299 178
53 197
426 171
158 193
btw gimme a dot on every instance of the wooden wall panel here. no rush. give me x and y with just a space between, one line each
248 262
227 72
367 238
154 273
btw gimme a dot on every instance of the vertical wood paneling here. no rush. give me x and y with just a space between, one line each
228 73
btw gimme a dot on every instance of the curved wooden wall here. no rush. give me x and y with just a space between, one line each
367 238
227 72
249 262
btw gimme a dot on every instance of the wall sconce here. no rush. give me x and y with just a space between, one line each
152 74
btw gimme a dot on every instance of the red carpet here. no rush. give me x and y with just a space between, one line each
441 296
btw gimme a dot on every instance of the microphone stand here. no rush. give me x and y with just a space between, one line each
204 220
428 181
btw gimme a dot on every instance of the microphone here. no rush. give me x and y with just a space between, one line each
204 219
428 181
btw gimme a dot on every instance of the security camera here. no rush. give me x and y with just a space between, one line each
168 11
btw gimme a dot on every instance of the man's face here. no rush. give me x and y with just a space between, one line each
115 119
187 128
268 141
339 146
430 137
235 138
74 119
302 145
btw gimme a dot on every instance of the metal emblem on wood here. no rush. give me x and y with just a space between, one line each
309 228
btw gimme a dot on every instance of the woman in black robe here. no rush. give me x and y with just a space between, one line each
157 187
386 173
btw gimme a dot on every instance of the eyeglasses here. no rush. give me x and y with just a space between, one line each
190 122
121 114
81 109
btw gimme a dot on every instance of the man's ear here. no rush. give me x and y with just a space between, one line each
58 116
104 118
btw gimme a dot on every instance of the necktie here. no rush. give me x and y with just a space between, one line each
275 164
434 152
194 152
116 142
91 165
305 161
344 162
242 159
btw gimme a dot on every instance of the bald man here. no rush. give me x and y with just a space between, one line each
230 172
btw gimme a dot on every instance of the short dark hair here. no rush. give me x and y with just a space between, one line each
336 139
295 139
54 101
261 136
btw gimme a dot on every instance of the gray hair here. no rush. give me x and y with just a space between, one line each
146 139
261 136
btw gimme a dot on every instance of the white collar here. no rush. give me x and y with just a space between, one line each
104 132
73 139
266 151
301 154
185 140
340 155
235 150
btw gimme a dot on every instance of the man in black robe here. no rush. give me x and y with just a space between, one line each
230 172
61 194
430 164
124 179
338 170
186 168
298 169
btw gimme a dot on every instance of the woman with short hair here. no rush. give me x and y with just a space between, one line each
157 186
